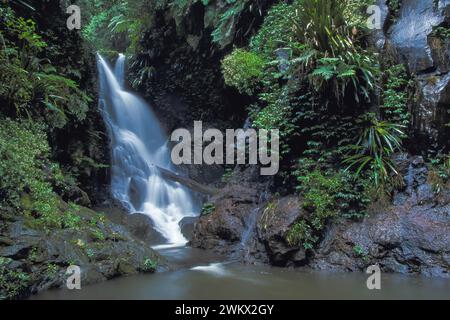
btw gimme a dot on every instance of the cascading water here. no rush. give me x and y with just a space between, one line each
139 148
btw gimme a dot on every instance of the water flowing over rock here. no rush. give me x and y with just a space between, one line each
410 236
139 149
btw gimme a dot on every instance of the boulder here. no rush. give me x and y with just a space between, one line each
274 223
223 228
411 236
37 260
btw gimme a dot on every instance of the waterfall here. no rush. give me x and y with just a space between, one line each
139 147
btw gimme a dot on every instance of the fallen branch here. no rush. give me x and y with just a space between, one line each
192 184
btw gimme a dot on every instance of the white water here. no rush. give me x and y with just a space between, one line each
138 144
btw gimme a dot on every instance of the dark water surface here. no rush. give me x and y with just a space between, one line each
203 276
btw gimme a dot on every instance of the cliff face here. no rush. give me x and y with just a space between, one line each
178 64
183 54
185 44
50 227
414 36
81 146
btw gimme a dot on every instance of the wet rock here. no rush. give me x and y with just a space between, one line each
225 225
401 239
78 196
427 57
378 37
229 229
101 248
410 32
275 221
412 236
187 226
139 225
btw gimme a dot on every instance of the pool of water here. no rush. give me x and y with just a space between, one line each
201 275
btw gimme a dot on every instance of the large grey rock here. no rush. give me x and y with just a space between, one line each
101 248
275 221
411 236
427 57
410 33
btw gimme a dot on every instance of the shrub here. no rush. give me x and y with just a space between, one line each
13 282
439 173
208 208
326 196
395 95
30 86
332 58
25 169
24 154
149 265
276 31
242 70
373 151
301 234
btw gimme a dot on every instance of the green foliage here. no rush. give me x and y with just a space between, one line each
319 196
360 252
52 270
227 22
439 173
301 234
395 95
373 151
13 282
355 13
394 8
208 208
90 252
23 157
71 219
242 69
149 265
319 23
326 196
116 25
279 112
30 86
333 59
276 31
441 33
227 175
25 169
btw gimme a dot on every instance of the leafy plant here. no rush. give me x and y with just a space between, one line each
276 31
52 270
439 173
326 196
227 175
30 86
377 142
149 265
395 95
242 69
301 234
208 208
13 282
360 252
226 27
441 32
